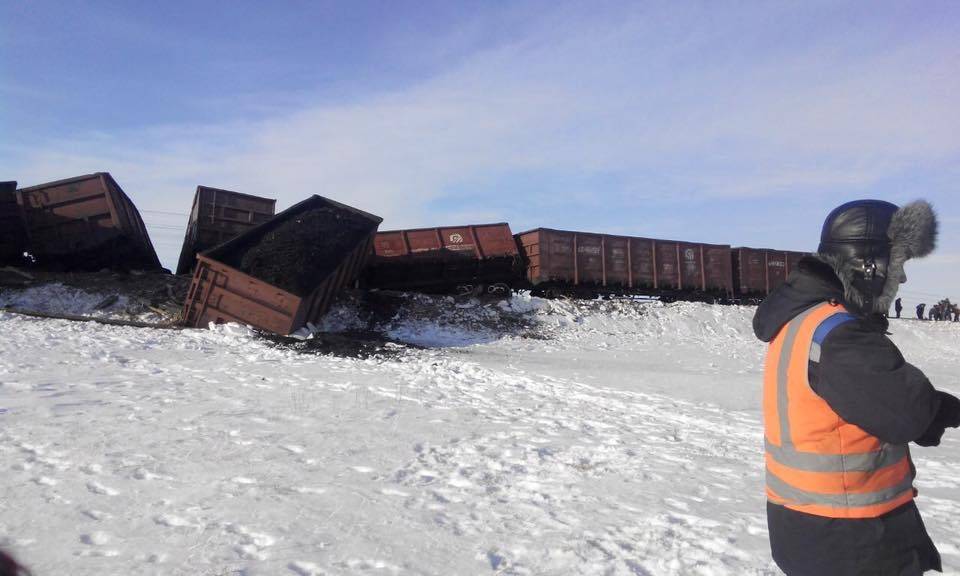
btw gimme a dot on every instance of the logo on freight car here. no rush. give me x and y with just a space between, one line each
589 250
456 239
689 254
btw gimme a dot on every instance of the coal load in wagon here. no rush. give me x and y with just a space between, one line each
300 253
285 273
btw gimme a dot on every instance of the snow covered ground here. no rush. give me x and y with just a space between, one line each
611 438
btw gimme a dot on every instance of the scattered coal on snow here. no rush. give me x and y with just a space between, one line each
518 437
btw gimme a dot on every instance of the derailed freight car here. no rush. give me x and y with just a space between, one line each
285 272
13 232
758 271
85 223
564 262
218 216
471 259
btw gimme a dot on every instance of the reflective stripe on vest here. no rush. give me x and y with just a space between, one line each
816 462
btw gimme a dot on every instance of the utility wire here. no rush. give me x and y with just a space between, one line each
165 212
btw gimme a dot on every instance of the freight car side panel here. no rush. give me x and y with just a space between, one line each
668 269
61 217
221 205
220 293
390 244
751 274
460 241
616 260
691 266
559 251
717 266
643 263
589 250
776 268
424 241
13 234
532 245
218 216
85 223
496 240
481 241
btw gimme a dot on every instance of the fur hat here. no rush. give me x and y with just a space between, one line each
867 243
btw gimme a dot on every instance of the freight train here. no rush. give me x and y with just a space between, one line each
490 259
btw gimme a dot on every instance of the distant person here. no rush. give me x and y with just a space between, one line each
841 405
920 308
956 313
933 313
898 306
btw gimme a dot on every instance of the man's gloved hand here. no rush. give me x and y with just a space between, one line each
950 409
948 416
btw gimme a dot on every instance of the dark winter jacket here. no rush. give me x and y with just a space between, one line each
864 379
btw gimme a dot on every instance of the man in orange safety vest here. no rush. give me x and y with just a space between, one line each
841 405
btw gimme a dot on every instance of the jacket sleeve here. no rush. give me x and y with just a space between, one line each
948 416
864 379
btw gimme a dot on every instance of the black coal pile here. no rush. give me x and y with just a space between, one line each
299 254
351 344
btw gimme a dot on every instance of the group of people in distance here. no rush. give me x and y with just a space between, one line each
943 310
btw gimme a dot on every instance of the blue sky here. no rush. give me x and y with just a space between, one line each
737 122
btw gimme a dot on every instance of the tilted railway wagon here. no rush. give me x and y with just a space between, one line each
470 259
583 263
217 216
284 273
85 223
13 233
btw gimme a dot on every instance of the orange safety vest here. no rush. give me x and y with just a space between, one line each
816 462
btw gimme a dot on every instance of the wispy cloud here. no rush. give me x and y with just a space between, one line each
706 103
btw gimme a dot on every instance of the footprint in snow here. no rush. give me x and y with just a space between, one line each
97 515
98 538
98 553
243 480
305 568
98 488
172 521
394 492
252 544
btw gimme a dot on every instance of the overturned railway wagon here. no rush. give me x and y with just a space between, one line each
477 259
13 232
581 263
285 272
758 271
217 216
85 223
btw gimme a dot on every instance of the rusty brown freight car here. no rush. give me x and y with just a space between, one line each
217 216
563 261
85 223
13 233
758 271
476 258
285 272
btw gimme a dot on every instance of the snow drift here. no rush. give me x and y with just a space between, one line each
528 437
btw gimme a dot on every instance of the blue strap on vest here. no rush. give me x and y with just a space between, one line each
820 334
829 324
